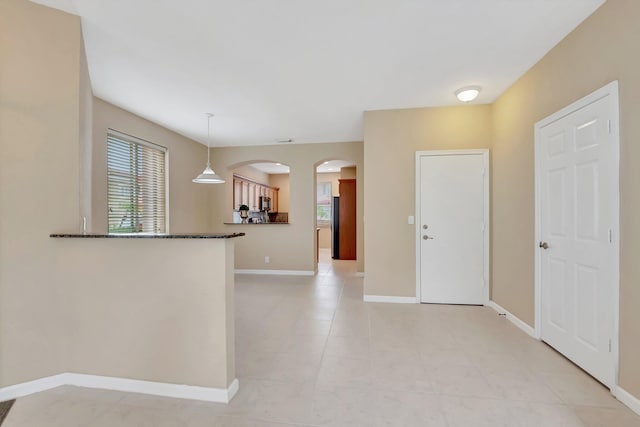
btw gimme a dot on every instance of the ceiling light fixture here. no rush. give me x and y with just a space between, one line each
468 93
208 176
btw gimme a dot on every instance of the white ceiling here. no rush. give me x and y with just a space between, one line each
302 70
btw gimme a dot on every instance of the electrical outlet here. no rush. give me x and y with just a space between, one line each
266 260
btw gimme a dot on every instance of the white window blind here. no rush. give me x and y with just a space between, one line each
136 181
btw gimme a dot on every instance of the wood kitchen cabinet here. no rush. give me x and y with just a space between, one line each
248 192
347 218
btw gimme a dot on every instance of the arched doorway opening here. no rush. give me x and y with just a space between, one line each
335 200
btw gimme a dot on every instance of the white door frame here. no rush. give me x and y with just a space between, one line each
418 232
611 90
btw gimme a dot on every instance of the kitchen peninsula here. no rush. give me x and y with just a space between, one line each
151 313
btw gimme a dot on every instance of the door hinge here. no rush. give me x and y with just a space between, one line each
609 346
610 236
609 126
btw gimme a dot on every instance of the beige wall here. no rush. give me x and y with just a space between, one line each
49 294
348 173
324 238
601 49
190 204
86 139
281 181
175 302
391 139
289 246
40 56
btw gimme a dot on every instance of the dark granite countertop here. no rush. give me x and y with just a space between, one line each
148 236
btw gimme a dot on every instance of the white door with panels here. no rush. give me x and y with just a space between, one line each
452 191
577 210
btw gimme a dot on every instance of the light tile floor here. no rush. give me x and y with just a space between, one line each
311 353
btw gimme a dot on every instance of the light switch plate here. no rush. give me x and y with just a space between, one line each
411 220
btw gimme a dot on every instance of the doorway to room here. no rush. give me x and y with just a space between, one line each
335 200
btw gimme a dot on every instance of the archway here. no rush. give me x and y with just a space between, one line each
335 227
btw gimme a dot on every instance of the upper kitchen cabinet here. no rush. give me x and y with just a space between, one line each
248 192
264 189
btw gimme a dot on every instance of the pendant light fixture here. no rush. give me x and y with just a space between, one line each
208 176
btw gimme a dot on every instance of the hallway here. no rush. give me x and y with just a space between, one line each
310 352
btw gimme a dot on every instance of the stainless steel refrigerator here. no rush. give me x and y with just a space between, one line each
335 228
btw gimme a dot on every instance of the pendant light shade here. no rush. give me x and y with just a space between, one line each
208 176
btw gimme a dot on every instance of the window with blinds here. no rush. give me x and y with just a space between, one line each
136 177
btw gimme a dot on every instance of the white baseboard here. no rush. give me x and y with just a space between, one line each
278 272
382 298
360 274
31 387
628 399
513 319
179 391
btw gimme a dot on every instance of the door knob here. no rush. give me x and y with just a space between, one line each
425 237
425 226
544 245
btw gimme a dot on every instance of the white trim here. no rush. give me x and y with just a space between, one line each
30 387
485 154
392 299
179 391
628 399
610 90
360 274
277 272
513 319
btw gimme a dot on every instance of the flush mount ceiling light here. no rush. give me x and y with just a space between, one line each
467 93
208 176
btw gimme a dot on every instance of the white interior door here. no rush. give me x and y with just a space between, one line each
453 215
577 208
